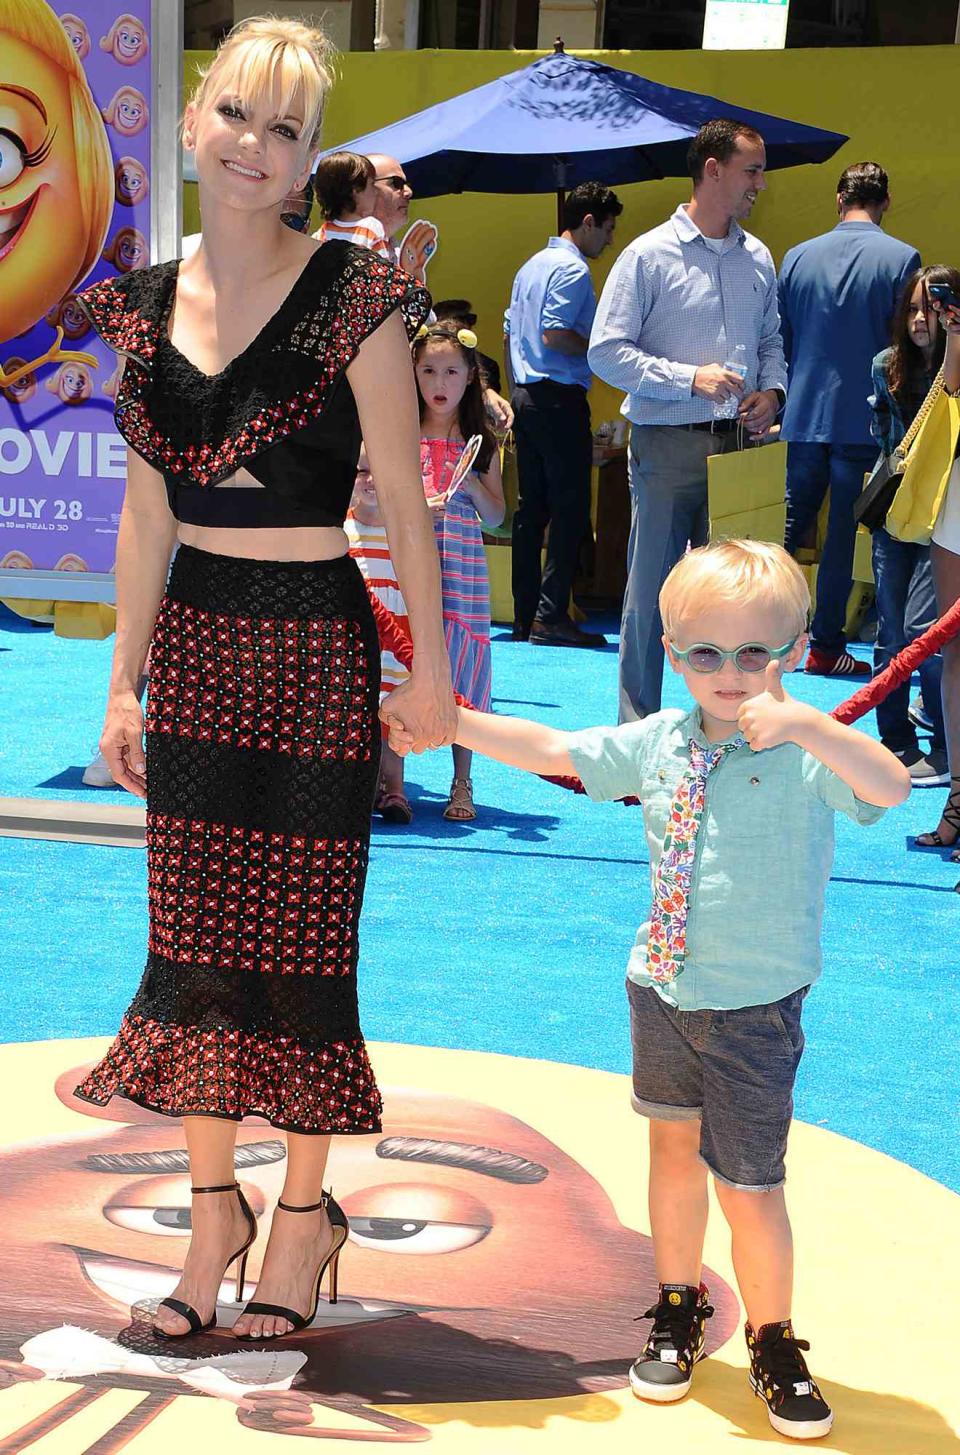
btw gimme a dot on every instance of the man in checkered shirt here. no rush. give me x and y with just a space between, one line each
678 301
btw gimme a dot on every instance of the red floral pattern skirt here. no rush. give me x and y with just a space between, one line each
263 755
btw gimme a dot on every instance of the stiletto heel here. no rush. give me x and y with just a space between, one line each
341 1228
186 1310
934 839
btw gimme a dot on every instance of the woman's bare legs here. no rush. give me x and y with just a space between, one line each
218 1225
298 1241
946 581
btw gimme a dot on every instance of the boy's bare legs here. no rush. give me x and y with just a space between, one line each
218 1225
762 1251
678 1200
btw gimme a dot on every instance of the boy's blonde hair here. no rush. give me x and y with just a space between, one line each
263 50
38 26
738 573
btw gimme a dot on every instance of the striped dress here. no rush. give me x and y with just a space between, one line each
368 547
463 567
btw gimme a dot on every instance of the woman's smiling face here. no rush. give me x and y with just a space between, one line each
42 233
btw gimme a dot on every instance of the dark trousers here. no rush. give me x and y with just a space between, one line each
812 470
906 606
668 510
554 456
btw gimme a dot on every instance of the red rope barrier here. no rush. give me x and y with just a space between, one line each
901 668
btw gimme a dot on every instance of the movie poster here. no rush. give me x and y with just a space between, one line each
75 101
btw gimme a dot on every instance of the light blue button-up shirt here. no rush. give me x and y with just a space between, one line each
553 289
673 304
763 854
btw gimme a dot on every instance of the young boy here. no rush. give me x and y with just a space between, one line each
738 801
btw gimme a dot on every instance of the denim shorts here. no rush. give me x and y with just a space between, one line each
732 1069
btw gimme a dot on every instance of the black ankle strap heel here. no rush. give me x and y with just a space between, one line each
341 1229
186 1310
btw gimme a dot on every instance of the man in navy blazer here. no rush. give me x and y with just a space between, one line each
837 297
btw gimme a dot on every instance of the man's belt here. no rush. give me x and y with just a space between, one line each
713 426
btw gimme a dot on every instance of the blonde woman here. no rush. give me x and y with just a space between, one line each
249 371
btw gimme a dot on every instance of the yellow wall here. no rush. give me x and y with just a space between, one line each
891 102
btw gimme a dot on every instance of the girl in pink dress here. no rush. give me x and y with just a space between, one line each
451 412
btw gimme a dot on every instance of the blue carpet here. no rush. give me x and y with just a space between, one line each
510 934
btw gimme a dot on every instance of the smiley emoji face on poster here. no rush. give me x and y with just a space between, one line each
131 182
77 34
72 383
56 173
69 316
126 40
127 113
127 250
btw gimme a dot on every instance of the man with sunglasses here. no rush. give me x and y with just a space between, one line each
392 205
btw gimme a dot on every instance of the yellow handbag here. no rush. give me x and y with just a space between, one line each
916 505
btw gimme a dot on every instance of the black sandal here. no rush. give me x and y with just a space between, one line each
186 1310
338 1221
933 839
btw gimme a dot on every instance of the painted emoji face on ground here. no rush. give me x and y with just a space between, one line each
132 184
23 388
69 316
56 172
77 34
126 39
456 1285
127 250
127 113
73 383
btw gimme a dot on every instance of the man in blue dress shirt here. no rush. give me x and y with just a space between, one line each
676 306
837 297
547 329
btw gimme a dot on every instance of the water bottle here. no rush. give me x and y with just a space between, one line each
737 364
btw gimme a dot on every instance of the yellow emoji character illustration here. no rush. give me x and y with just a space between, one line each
127 113
126 39
56 175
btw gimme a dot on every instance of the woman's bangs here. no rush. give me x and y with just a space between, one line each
275 76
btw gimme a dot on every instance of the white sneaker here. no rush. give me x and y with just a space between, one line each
98 775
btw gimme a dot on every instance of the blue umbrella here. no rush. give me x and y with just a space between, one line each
561 121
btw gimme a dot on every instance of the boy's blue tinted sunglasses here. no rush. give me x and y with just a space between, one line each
751 657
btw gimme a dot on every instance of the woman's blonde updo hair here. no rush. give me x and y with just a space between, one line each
264 50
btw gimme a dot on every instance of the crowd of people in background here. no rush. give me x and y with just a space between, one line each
712 351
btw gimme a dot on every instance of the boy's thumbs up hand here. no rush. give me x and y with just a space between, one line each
772 716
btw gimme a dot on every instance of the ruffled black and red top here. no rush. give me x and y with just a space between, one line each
282 409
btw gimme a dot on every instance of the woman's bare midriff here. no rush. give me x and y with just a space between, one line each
287 543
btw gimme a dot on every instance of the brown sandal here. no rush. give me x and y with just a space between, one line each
460 807
392 807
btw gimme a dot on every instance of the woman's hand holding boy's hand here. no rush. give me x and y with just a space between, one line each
399 739
773 717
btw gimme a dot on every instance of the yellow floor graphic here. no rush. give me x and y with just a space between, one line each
499 1255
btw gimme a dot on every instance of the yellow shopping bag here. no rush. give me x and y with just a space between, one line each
916 505
746 493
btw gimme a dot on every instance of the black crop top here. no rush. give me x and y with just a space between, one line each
283 409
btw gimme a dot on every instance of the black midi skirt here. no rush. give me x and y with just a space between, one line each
263 752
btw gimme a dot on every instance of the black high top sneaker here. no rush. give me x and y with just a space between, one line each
780 1377
665 1368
